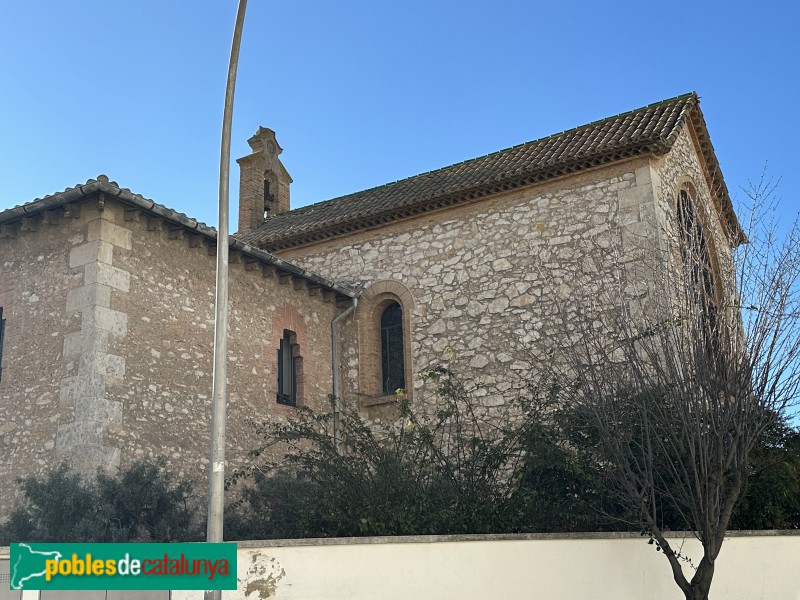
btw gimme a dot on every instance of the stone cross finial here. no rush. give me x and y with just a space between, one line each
264 141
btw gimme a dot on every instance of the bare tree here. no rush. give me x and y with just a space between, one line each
673 391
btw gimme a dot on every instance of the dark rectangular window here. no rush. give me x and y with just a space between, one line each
287 371
392 360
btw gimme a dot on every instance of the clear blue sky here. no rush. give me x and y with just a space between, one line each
363 93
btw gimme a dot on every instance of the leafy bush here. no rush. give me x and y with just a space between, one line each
453 472
772 498
457 472
143 503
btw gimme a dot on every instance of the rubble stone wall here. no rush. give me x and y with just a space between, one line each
169 349
108 349
490 281
43 316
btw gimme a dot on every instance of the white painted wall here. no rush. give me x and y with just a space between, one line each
752 566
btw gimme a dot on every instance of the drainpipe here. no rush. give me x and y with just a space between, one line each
337 435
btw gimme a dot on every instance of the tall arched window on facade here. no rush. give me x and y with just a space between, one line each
696 258
393 375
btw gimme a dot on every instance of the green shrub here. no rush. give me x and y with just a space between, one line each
454 472
143 503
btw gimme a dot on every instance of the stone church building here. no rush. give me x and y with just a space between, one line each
107 298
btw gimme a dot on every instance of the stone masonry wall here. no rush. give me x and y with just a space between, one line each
39 296
109 343
166 394
489 279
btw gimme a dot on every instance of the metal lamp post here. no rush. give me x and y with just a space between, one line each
216 471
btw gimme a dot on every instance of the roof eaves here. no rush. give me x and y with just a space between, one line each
715 179
347 223
102 185
323 220
367 191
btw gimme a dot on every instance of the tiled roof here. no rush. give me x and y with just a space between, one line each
648 130
102 185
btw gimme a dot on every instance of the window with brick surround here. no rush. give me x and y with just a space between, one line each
383 320
393 376
288 366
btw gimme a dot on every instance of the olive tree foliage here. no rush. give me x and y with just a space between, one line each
673 386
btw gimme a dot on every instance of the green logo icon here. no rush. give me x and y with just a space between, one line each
123 566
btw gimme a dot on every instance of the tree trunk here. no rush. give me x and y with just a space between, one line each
697 594
701 582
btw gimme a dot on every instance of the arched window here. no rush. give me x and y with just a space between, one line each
269 193
696 258
384 327
393 376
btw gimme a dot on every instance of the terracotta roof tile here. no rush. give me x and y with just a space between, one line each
651 129
102 185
